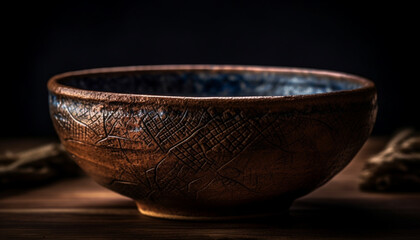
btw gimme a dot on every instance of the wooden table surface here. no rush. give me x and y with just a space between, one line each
79 208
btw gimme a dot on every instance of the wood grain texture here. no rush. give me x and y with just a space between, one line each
81 209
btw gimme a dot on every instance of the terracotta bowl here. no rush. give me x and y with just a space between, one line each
209 142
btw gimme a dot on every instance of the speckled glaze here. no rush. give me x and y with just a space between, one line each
201 141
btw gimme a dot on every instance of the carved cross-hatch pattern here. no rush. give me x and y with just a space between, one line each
184 152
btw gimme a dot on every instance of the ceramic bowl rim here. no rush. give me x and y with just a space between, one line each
64 90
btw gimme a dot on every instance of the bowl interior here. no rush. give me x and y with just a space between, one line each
210 83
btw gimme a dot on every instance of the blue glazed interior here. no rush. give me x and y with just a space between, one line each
210 84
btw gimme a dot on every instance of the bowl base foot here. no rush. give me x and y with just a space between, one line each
209 216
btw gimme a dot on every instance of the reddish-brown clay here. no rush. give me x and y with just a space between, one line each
211 157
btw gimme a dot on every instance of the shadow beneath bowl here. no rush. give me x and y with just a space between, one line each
318 219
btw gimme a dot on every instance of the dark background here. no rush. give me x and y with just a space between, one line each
372 40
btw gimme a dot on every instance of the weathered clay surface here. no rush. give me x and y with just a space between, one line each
212 156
